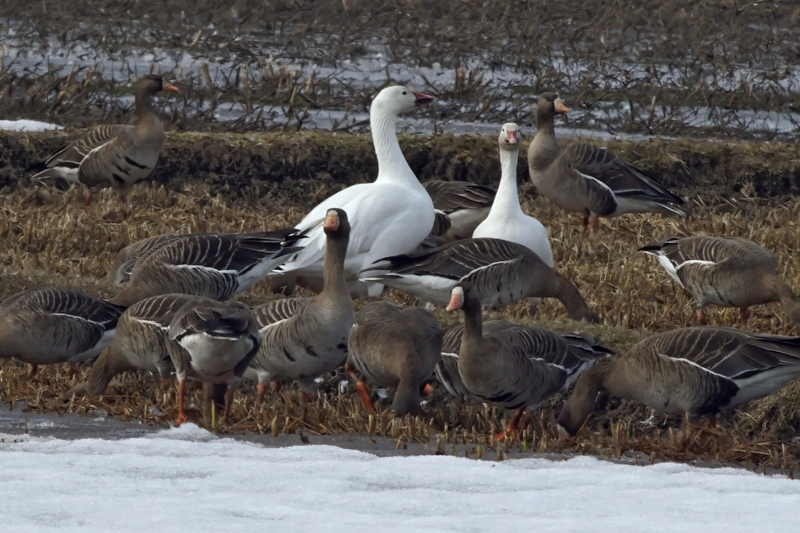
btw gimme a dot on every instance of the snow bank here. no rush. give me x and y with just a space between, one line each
27 125
187 480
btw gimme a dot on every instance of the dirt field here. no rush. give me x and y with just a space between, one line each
49 238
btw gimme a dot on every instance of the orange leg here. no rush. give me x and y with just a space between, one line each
87 198
585 221
32 370
307 398
427 389
261 390
594 222
165 383
511 429
701 317
123 198
228 402
360 388
744 314
181 393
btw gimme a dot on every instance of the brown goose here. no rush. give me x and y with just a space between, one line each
304 338
114 156
447 369
499 271
197 337
121 268
46 326
588 179
693 371
217 266
219 340
464 204
725 271
511 365
395 347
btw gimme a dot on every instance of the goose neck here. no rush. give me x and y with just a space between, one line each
507 199
473 322
143 105
335 285
392 164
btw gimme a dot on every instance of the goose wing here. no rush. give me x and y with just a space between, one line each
69 303
126 259
450 196
67 160
274 311
619 175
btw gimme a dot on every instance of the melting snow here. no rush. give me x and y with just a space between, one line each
27 125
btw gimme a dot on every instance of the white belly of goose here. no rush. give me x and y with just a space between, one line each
214 356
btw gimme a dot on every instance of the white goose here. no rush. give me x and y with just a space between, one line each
390 216
506 220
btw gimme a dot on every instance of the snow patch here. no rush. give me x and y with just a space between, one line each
27 125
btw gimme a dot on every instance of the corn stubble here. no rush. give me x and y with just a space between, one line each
49 239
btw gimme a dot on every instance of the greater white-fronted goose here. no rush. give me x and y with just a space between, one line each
197 337
304 338
392 215
695 371
447 369
500 272
511 365
217 266
125 260
725 271
46 326
588 179
462 206
394 347
219 340
114 156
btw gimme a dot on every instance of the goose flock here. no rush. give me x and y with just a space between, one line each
461 245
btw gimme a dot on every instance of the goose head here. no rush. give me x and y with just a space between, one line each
398 99
580 405
550 105
153 83
336 225
509 137
462 297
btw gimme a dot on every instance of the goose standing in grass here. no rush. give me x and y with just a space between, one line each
394 347
464 205
511 365
126 259
217 266
46 326
392 215
725 271
506 219
500 272
114 156
304 338
196 337
588 179
695 371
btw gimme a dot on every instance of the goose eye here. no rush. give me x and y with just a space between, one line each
404 92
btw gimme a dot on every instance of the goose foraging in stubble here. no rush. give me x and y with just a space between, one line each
499 271
394 347
725 271
392 215
511 365
113 156
696 372
587 179
460 207
304 338
47 326
217 266
196 337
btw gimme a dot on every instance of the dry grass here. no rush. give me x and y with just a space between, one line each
47 237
